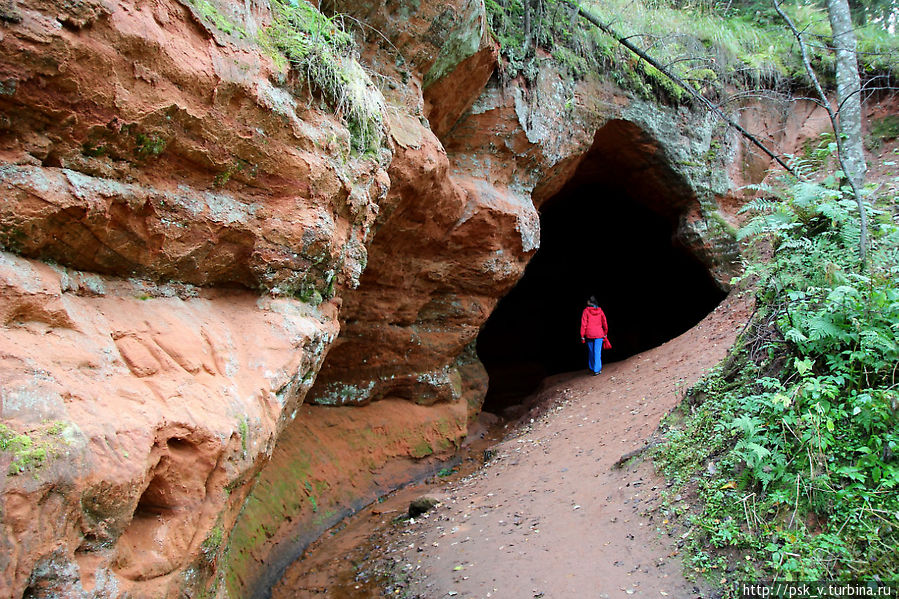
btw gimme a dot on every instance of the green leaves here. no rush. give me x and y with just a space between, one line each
752 452
804 366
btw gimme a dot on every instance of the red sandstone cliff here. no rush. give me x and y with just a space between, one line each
168 200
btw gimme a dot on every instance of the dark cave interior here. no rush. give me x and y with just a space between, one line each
598 237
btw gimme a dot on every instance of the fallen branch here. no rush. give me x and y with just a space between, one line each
620 462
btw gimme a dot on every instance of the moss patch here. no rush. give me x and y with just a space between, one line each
461 43
881 130
29 451
328 462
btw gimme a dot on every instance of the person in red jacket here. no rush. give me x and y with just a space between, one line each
594 330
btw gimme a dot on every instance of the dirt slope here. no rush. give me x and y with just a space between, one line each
549 516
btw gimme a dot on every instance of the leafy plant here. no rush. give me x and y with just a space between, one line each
149 145
801 422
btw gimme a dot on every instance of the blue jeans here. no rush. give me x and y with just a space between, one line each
594 354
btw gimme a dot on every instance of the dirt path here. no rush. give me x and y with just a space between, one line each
549 516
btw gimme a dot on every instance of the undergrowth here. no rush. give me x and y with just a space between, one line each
707 48
792 444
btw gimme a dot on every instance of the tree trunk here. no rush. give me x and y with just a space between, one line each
848 90
855 174
527 25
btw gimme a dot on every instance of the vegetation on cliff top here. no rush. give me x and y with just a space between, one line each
792 444
319 48
323 53
738 43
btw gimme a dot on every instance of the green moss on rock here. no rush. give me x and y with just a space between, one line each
29 451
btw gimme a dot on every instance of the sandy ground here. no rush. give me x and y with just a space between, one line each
548 516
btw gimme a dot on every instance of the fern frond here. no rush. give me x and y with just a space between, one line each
802 166
835 211
806 194
875 343
760 205
795 335
799 243
753 228
850 234
821 328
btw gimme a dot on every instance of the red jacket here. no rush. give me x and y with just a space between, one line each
593 323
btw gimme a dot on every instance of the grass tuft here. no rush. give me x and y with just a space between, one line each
318 47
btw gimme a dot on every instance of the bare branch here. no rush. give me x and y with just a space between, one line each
702 59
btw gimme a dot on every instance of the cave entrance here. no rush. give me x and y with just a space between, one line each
609 232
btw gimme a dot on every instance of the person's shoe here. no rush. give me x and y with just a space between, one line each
596 373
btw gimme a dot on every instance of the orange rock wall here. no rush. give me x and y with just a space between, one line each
174 209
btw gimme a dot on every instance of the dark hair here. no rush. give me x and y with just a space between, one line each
592 301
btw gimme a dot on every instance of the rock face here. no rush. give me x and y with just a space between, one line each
160 400
139 140
174 213
186 228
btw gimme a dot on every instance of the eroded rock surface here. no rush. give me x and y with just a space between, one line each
179 219
163 397
138 139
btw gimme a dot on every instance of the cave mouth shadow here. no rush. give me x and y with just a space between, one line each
601 239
